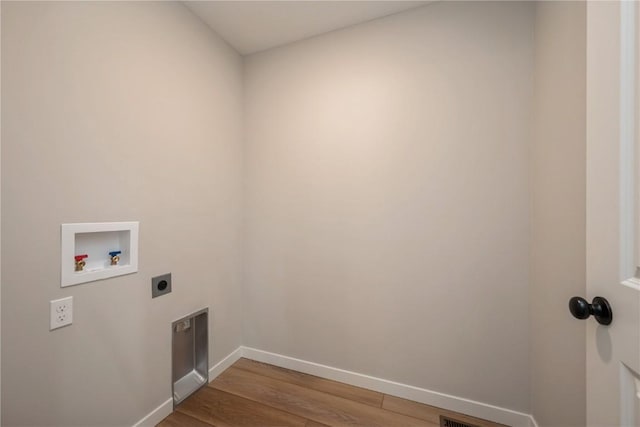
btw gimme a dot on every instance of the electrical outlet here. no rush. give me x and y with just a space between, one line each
61 312
160 285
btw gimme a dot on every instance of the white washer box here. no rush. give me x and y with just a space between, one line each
97 239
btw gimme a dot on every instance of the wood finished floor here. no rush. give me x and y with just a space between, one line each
256 394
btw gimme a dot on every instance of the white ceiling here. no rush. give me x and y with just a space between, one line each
254 26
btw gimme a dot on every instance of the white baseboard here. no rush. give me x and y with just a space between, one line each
219 367
428 397
157 415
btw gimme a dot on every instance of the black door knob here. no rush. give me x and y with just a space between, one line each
599 308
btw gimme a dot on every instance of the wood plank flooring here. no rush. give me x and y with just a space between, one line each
256 394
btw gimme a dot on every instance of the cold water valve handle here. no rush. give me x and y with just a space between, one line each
115 257
599 308
80 263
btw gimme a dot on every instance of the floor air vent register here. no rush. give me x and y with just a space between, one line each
450 422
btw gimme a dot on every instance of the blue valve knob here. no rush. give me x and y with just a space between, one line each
114 257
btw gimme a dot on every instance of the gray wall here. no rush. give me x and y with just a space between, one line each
0 220
558 214
387 220
392 188
114 111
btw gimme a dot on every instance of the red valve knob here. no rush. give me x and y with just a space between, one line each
81 257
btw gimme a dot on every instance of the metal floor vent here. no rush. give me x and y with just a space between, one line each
450 422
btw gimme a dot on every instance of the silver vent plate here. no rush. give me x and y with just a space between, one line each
450 422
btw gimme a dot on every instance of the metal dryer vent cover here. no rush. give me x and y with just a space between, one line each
450 422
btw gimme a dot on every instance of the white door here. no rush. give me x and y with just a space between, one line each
613 214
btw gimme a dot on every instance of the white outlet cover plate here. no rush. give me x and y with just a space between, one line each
61 312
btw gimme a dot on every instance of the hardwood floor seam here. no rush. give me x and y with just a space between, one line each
308 403
259 402
342 390
255 394
193 418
